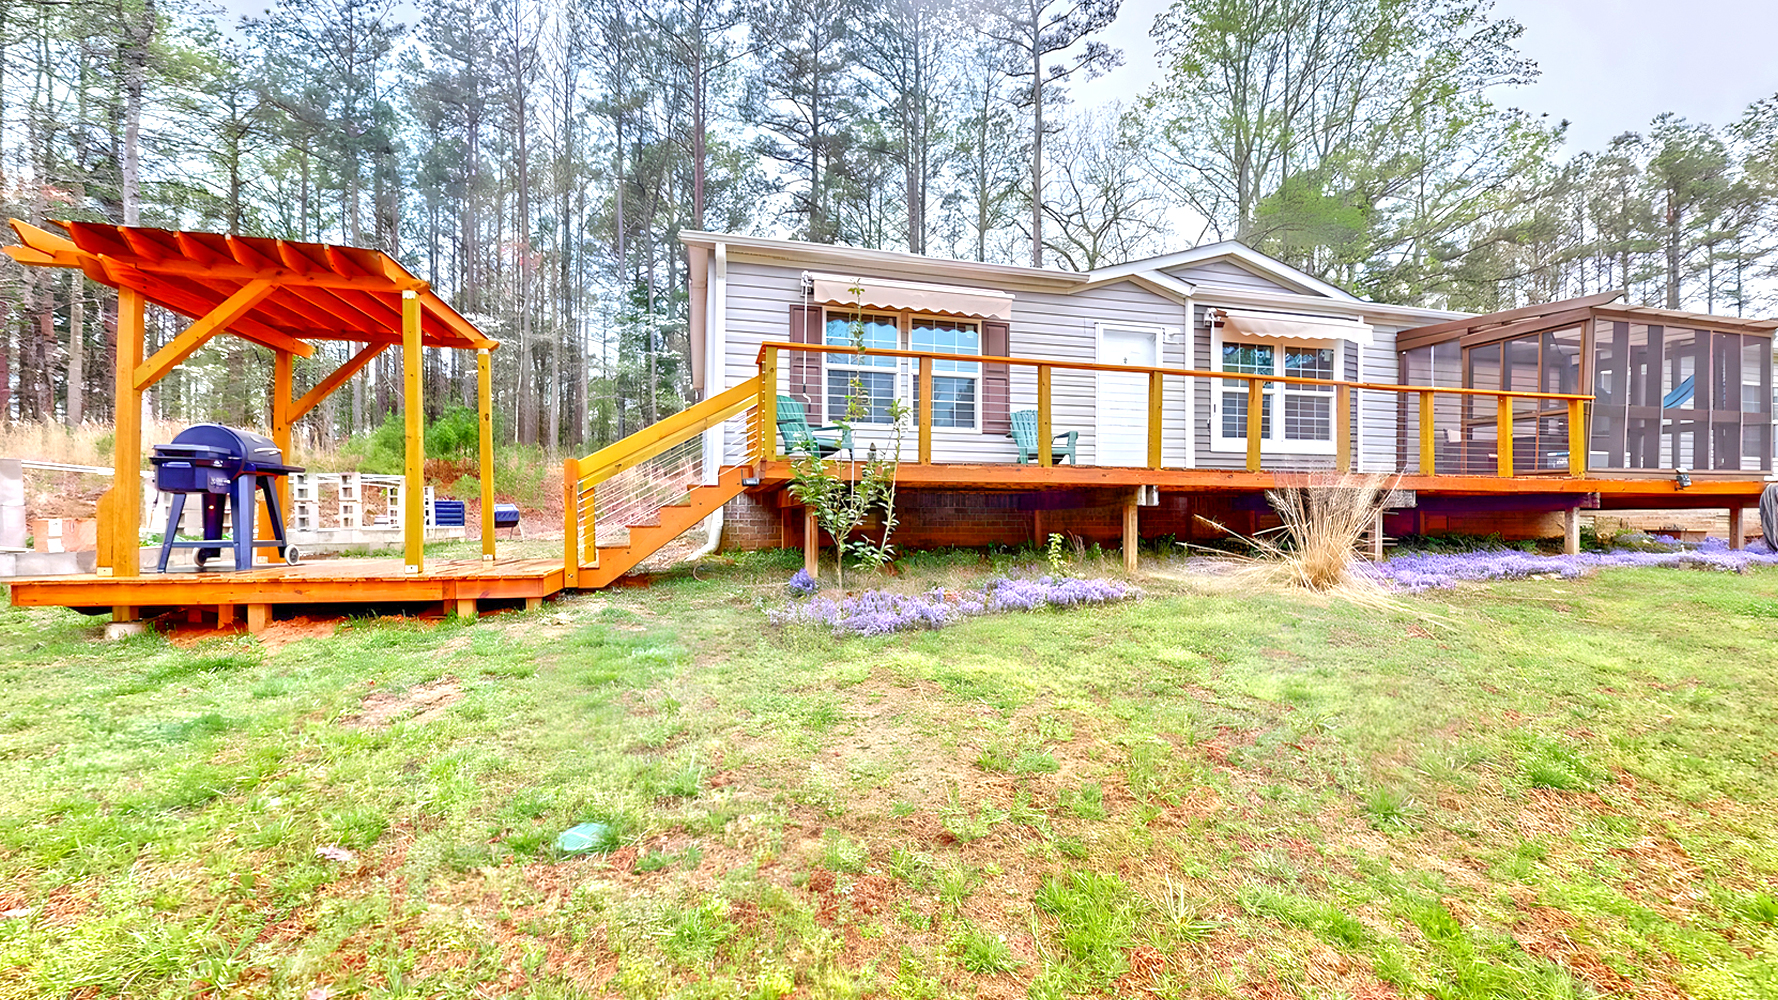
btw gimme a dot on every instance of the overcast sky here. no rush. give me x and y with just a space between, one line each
1609 66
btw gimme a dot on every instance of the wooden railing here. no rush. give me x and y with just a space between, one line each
770 352
580 476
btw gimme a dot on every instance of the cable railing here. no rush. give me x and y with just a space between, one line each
626 484
1525 432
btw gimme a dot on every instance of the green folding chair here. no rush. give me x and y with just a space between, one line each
801 439
1024 435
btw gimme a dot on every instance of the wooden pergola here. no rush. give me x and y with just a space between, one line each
282 295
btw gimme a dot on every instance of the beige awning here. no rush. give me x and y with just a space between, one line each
885 293
1291 326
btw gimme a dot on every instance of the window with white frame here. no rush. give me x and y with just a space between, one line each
956 385
871 379
1307 410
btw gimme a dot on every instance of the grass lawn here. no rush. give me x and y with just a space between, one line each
1562 789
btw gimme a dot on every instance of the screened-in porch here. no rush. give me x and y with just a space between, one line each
1671 390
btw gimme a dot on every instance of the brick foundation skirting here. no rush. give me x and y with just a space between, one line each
767 519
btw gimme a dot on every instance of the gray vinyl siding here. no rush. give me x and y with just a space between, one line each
1044 325
1063 327
1377 449
1228 275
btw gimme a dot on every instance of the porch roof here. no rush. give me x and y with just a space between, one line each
279 293
1532 319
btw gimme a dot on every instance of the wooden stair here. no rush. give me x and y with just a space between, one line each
669 522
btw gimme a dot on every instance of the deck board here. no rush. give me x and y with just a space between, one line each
329 581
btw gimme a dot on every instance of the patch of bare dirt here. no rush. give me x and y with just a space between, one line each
382 708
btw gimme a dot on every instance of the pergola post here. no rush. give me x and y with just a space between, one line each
484 403
414 499
125 529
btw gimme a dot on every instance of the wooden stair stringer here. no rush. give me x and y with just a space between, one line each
675 520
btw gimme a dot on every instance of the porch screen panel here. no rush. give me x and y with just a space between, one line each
1685 395
1560 371
1756 403
1521 357
1482 370
1611 351
1642 424
1725 400
1416 369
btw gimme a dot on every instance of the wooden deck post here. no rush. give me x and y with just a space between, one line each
1577 437
1377 537
414 498
923 416
1571 531
571 522
768 404
1428 456
466 608
1342 428
1155 387
1255 410
1738 527
126 485
1131 534
811 543
484 404
1503 436
258 617
1045 431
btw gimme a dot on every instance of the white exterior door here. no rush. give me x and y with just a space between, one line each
1121 426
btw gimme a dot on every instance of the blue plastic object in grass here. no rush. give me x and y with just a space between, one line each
586 837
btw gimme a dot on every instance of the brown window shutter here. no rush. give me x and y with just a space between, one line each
805 367
996 387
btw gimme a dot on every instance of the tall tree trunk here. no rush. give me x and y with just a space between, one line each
138 38
1036 139
76 348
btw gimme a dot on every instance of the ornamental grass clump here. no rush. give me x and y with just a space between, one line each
1325 520
880 612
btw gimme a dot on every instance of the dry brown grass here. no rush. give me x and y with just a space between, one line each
1326 518
91 444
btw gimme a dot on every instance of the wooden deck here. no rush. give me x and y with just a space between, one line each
257 592
1624 490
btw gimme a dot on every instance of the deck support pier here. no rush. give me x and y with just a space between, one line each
1376 537
1131 534
258 617
1571 531
811 544
1738 527
484 404
466 608
414 489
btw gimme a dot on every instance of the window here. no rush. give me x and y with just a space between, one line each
956 385
871 379
1307 411
953 382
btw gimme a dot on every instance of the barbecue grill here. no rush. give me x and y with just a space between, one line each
225 467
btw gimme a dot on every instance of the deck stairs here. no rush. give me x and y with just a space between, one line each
635 497
659 529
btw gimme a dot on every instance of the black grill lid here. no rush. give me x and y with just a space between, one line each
239 452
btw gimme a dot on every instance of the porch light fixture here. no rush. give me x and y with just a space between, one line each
750 481
1682 478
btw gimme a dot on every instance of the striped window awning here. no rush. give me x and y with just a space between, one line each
887 293
1292 326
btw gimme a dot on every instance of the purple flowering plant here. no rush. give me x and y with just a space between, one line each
803 585
880 612
1415 571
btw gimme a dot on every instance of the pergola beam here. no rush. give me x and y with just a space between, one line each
328 385
200 331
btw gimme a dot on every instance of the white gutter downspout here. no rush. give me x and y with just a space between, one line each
1191 387
1358 401
715 381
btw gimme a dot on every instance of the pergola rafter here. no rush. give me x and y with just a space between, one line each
281 294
